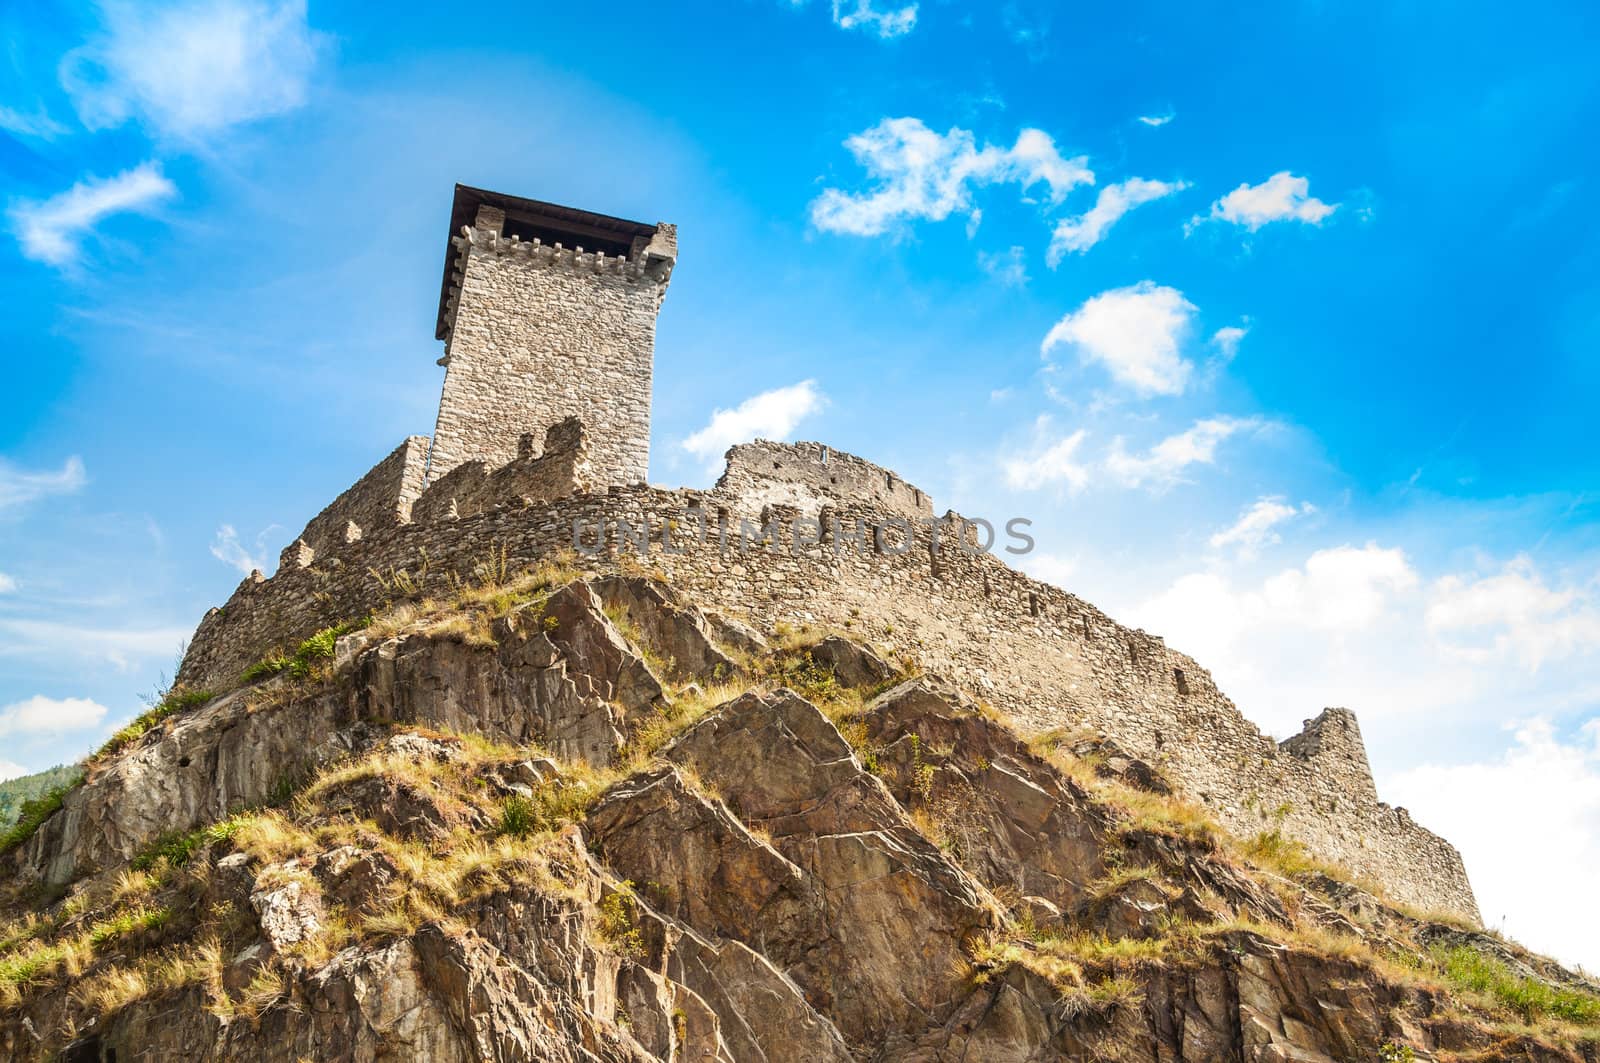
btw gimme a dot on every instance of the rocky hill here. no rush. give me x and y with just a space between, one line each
560 815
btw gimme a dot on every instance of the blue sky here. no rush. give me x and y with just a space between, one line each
1279 321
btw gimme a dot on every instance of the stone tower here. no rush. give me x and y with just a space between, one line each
548 312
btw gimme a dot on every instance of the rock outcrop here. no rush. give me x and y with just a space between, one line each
580 819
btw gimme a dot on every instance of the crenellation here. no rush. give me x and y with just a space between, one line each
548 313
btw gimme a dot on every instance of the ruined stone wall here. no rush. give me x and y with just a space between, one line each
377 502
560 469
540 333
1043 655
810 475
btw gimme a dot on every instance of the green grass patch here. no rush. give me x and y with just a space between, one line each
176 701
519 816
178 847
319 647
130 922
1466 968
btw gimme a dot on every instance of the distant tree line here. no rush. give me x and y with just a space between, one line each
13 792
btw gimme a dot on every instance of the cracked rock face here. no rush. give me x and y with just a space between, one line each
889 873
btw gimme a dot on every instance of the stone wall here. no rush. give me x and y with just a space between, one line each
538 333
811 475
378 501
1045 656
560 469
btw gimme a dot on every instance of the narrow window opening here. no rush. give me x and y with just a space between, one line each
1183 684
1033 604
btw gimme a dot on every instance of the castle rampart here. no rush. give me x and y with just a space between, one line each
378 501
1045 656
809 476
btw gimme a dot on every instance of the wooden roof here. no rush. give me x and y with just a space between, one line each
550 221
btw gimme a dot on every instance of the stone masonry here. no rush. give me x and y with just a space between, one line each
1048 658
558 324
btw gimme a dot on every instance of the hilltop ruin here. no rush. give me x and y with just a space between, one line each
548 317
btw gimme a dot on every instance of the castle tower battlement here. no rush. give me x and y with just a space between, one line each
548 312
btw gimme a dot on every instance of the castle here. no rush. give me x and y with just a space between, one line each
548 316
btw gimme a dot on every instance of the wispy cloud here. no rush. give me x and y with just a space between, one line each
1078 234
924 175
1281 197
7 584
38 124
40 715
190 69
1008 267
772 415
227 548
866 16
18 487
60 642
1050 460
51 231
1164 465
1227 339
1136 333
1257 525
1156 121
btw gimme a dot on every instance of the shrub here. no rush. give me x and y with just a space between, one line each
618 924
519 816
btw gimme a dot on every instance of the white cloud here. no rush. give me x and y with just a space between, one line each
10 769
41 715
864 15
1051 568
7 584
1049 461
1078 234
1514 615
227 548
1155 121
1257 525
192 68
921 174
1163 465
1135 332
38 124
49 231
1341 591
53 641
770 415
1227 339
1528 826
1351 627
19 487
1007 267
1281 197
